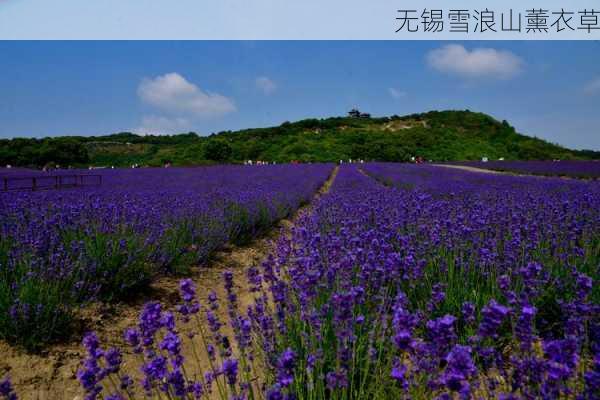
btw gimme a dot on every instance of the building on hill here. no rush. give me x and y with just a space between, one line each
355 113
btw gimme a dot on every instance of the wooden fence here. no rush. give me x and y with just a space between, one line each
43 182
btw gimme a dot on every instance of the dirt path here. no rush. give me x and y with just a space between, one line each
51 375
473 169
512 173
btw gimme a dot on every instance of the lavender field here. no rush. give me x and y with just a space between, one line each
568 168
400 282
63 248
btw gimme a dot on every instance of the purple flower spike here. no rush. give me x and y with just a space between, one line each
230 370
187 288
285 366
6 389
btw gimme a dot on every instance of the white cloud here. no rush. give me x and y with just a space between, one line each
592 87
172 93
395 93
266 85
160 125
478 63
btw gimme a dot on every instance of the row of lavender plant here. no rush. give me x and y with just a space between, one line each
421 283
569 168
61 248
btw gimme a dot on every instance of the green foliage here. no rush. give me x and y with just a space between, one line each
43 311
39 152
435 135
217 150
120 260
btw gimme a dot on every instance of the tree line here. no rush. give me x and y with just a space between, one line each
435 135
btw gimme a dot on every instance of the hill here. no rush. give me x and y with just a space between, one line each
435 135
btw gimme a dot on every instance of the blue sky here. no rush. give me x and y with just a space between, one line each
547 89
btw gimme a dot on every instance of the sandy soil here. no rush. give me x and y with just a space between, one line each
50 375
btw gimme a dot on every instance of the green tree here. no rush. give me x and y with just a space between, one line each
217 150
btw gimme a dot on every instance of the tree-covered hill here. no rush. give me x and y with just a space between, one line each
435 135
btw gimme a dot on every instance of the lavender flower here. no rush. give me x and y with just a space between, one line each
524 328
492 317
6 390
285 367
230 370
460 368
468 312
113 360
